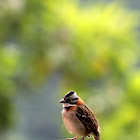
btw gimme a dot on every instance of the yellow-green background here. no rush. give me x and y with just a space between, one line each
50 47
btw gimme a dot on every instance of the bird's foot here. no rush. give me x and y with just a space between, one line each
72 138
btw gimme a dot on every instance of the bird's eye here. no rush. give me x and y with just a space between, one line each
68 99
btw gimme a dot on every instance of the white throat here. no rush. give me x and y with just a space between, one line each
67 105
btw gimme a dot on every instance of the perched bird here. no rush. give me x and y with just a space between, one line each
78 117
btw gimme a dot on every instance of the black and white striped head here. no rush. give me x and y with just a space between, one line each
71 98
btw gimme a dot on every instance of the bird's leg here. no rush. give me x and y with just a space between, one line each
76 137
83 138
72 138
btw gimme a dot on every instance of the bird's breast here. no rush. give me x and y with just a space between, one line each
72 123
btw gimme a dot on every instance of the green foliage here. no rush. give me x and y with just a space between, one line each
94 47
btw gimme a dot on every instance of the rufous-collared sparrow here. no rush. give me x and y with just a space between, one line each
78 117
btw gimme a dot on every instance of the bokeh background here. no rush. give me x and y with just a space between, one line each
50 47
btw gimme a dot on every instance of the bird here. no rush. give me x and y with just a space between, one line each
78 118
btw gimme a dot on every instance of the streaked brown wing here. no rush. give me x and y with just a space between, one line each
86 116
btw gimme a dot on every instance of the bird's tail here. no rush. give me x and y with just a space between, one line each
96 137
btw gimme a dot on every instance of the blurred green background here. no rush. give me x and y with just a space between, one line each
50 47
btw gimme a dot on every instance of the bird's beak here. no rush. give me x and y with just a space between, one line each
62 101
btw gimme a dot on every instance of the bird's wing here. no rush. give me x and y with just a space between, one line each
86 116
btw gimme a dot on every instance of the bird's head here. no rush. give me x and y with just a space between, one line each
70 98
